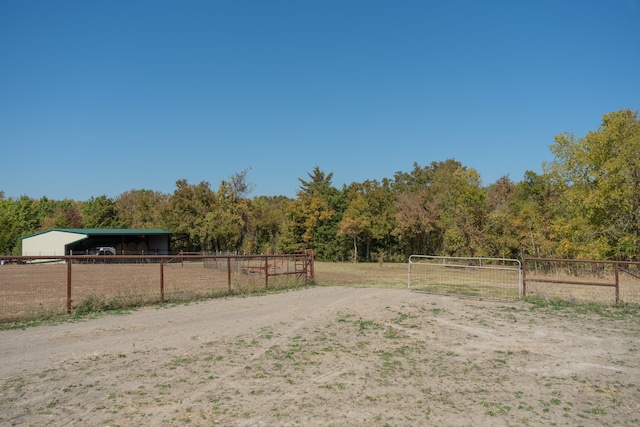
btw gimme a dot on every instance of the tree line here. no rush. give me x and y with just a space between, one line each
585 204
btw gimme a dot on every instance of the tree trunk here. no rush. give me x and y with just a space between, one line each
355 249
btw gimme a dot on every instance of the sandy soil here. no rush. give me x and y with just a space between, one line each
327 356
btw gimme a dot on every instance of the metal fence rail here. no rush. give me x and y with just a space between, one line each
582 281
36 286
574 281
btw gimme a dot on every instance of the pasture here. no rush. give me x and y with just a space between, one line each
356 350
39 290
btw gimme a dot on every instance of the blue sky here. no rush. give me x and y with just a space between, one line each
102 97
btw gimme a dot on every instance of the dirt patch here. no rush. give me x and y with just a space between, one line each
327 356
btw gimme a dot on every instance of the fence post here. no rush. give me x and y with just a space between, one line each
68 285
161 279
524 277
229 273
617 283
266 272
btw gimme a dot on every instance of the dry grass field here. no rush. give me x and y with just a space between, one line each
385 275
358 349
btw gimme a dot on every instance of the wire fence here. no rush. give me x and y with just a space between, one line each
32 287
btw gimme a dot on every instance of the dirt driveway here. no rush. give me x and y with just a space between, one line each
327 356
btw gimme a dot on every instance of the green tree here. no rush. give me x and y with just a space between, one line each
499 230
536 203
66 214
414 181
308 217
141 208
600 176
313 218
463 208
356 220
320 183
441 209
378 199
9 235
268 219
185 215
21 217
100 212
228 220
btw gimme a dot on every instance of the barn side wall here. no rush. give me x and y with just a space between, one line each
51 243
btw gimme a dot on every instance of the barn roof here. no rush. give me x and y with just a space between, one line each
106 231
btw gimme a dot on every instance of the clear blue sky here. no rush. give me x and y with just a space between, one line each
102 97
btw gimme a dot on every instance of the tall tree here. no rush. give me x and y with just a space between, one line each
535 205
600 174
185 215
141 208
419 225
66 214
313 218
9 234
440 209
462 203
319 183
21 217
267 225
238 185
499 229
99 212
355 221
228 220
378 198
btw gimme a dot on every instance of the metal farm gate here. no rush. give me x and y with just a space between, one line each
483 278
